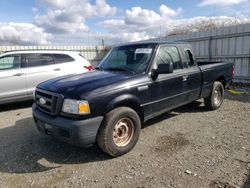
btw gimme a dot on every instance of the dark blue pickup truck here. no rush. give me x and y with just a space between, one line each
134 83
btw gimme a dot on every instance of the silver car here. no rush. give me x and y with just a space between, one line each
21 71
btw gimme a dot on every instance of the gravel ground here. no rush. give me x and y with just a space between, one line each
188 147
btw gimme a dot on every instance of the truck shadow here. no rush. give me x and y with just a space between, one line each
245 164
247 182
193 107
237 97
24 150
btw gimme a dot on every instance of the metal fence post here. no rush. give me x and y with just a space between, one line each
210 48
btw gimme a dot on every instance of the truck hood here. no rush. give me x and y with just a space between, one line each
76 86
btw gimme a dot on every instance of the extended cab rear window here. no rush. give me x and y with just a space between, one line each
62 58
191 61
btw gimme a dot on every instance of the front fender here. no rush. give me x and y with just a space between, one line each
126 100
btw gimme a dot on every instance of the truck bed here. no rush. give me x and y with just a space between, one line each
211 70
200 63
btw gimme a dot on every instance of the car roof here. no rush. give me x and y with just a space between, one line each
39 51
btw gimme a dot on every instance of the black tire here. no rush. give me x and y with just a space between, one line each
118 121
216 97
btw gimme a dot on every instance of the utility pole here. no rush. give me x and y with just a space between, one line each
102 42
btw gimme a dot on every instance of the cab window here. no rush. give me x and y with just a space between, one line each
190 58
10 62
168 54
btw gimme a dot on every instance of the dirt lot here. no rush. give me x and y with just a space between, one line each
188 147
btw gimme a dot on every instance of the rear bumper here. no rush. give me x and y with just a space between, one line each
78 132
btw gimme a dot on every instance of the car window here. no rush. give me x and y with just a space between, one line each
10 62
168 54
190 58
62 58
34 60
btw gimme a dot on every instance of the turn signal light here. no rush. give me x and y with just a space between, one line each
84 108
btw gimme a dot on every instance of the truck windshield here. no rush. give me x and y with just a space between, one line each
130 58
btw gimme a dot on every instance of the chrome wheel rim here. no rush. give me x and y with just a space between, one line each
123 132
217 96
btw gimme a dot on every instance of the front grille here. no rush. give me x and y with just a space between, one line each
48 102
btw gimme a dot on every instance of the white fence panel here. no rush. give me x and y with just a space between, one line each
225 43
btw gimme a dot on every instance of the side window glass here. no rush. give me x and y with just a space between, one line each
190 58
62 58
169 55
34 60
173 52
163 56
10 62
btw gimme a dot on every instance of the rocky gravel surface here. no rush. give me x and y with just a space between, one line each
187 147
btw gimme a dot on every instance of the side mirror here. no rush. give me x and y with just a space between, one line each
165 68
162 69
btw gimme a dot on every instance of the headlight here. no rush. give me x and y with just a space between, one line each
75 107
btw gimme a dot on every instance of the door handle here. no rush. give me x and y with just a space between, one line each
18 74
184 78
57 69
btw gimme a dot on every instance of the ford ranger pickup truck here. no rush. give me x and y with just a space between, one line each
133 83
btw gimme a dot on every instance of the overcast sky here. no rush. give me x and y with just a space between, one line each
87 22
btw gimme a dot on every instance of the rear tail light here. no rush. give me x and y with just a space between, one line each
89 67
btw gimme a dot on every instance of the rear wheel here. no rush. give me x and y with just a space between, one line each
119 132
216 97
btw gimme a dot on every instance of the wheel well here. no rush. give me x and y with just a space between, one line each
222 80
133 105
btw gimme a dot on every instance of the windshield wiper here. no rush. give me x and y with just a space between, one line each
119 69
98 68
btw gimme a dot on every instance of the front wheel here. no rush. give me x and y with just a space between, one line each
216 97
119 131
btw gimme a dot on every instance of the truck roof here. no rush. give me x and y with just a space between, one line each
152 43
